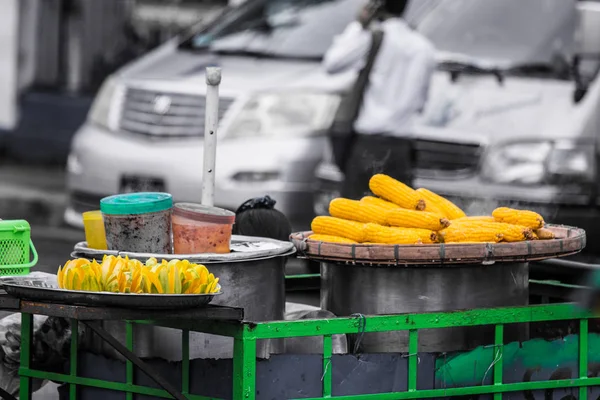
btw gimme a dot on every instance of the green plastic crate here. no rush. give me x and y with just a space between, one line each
15 246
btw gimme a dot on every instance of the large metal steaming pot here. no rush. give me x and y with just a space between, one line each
252 277
386 279
349 289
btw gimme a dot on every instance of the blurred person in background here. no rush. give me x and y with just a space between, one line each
397 90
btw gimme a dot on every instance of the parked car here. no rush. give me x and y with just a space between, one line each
514 112
146 126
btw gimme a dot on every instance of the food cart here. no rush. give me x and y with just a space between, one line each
413 314
533 368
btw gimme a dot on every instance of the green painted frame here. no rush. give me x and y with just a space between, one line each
246 334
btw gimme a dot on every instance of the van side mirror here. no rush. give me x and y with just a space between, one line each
583 80
579 94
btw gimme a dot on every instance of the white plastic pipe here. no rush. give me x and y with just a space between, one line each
213 80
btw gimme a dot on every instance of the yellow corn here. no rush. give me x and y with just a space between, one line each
534 236
510 233
482 218
404 218
545 234
526 218
456 233
389 235
432 208
339 227
444 206
357 211
396 192
376 201
331 239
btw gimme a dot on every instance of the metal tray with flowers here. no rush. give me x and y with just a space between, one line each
44 288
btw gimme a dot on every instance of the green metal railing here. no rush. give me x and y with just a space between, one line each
245 336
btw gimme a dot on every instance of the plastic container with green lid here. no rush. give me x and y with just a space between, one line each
199 229
138 222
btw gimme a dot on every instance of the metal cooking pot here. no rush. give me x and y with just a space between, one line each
256 284
349 289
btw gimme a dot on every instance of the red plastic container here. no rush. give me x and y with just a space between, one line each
200 229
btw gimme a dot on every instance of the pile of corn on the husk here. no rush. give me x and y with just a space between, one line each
398 214
124 275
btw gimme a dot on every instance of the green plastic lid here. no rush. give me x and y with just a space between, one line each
136 203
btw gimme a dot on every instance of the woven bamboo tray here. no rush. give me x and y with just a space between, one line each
569 241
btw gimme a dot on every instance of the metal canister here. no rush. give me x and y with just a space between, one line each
369 290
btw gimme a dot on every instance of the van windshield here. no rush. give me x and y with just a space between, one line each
513 31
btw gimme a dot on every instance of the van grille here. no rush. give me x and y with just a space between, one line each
455 158
166 114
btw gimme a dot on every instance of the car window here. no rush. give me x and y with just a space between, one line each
299 28
513 30
510 31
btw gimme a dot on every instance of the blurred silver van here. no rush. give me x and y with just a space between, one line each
144 131
505 74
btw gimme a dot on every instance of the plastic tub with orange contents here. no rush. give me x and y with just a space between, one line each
201 229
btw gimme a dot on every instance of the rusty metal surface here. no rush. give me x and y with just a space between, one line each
8 302
83 313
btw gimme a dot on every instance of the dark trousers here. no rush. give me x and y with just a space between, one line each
377 154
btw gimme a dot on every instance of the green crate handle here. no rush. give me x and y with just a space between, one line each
16 228
35 256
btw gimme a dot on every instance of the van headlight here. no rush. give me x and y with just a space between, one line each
104 110
536 163
284 115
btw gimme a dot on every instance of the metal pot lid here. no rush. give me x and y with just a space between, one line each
243 248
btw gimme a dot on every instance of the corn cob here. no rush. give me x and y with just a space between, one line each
446 208
396 192
482 218
376 201
432 208
534 236
331 239
339 227
416 219
510 233
526 218
357 211
545 234
390 235
460 234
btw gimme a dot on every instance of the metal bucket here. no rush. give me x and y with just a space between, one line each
255 284
349 289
